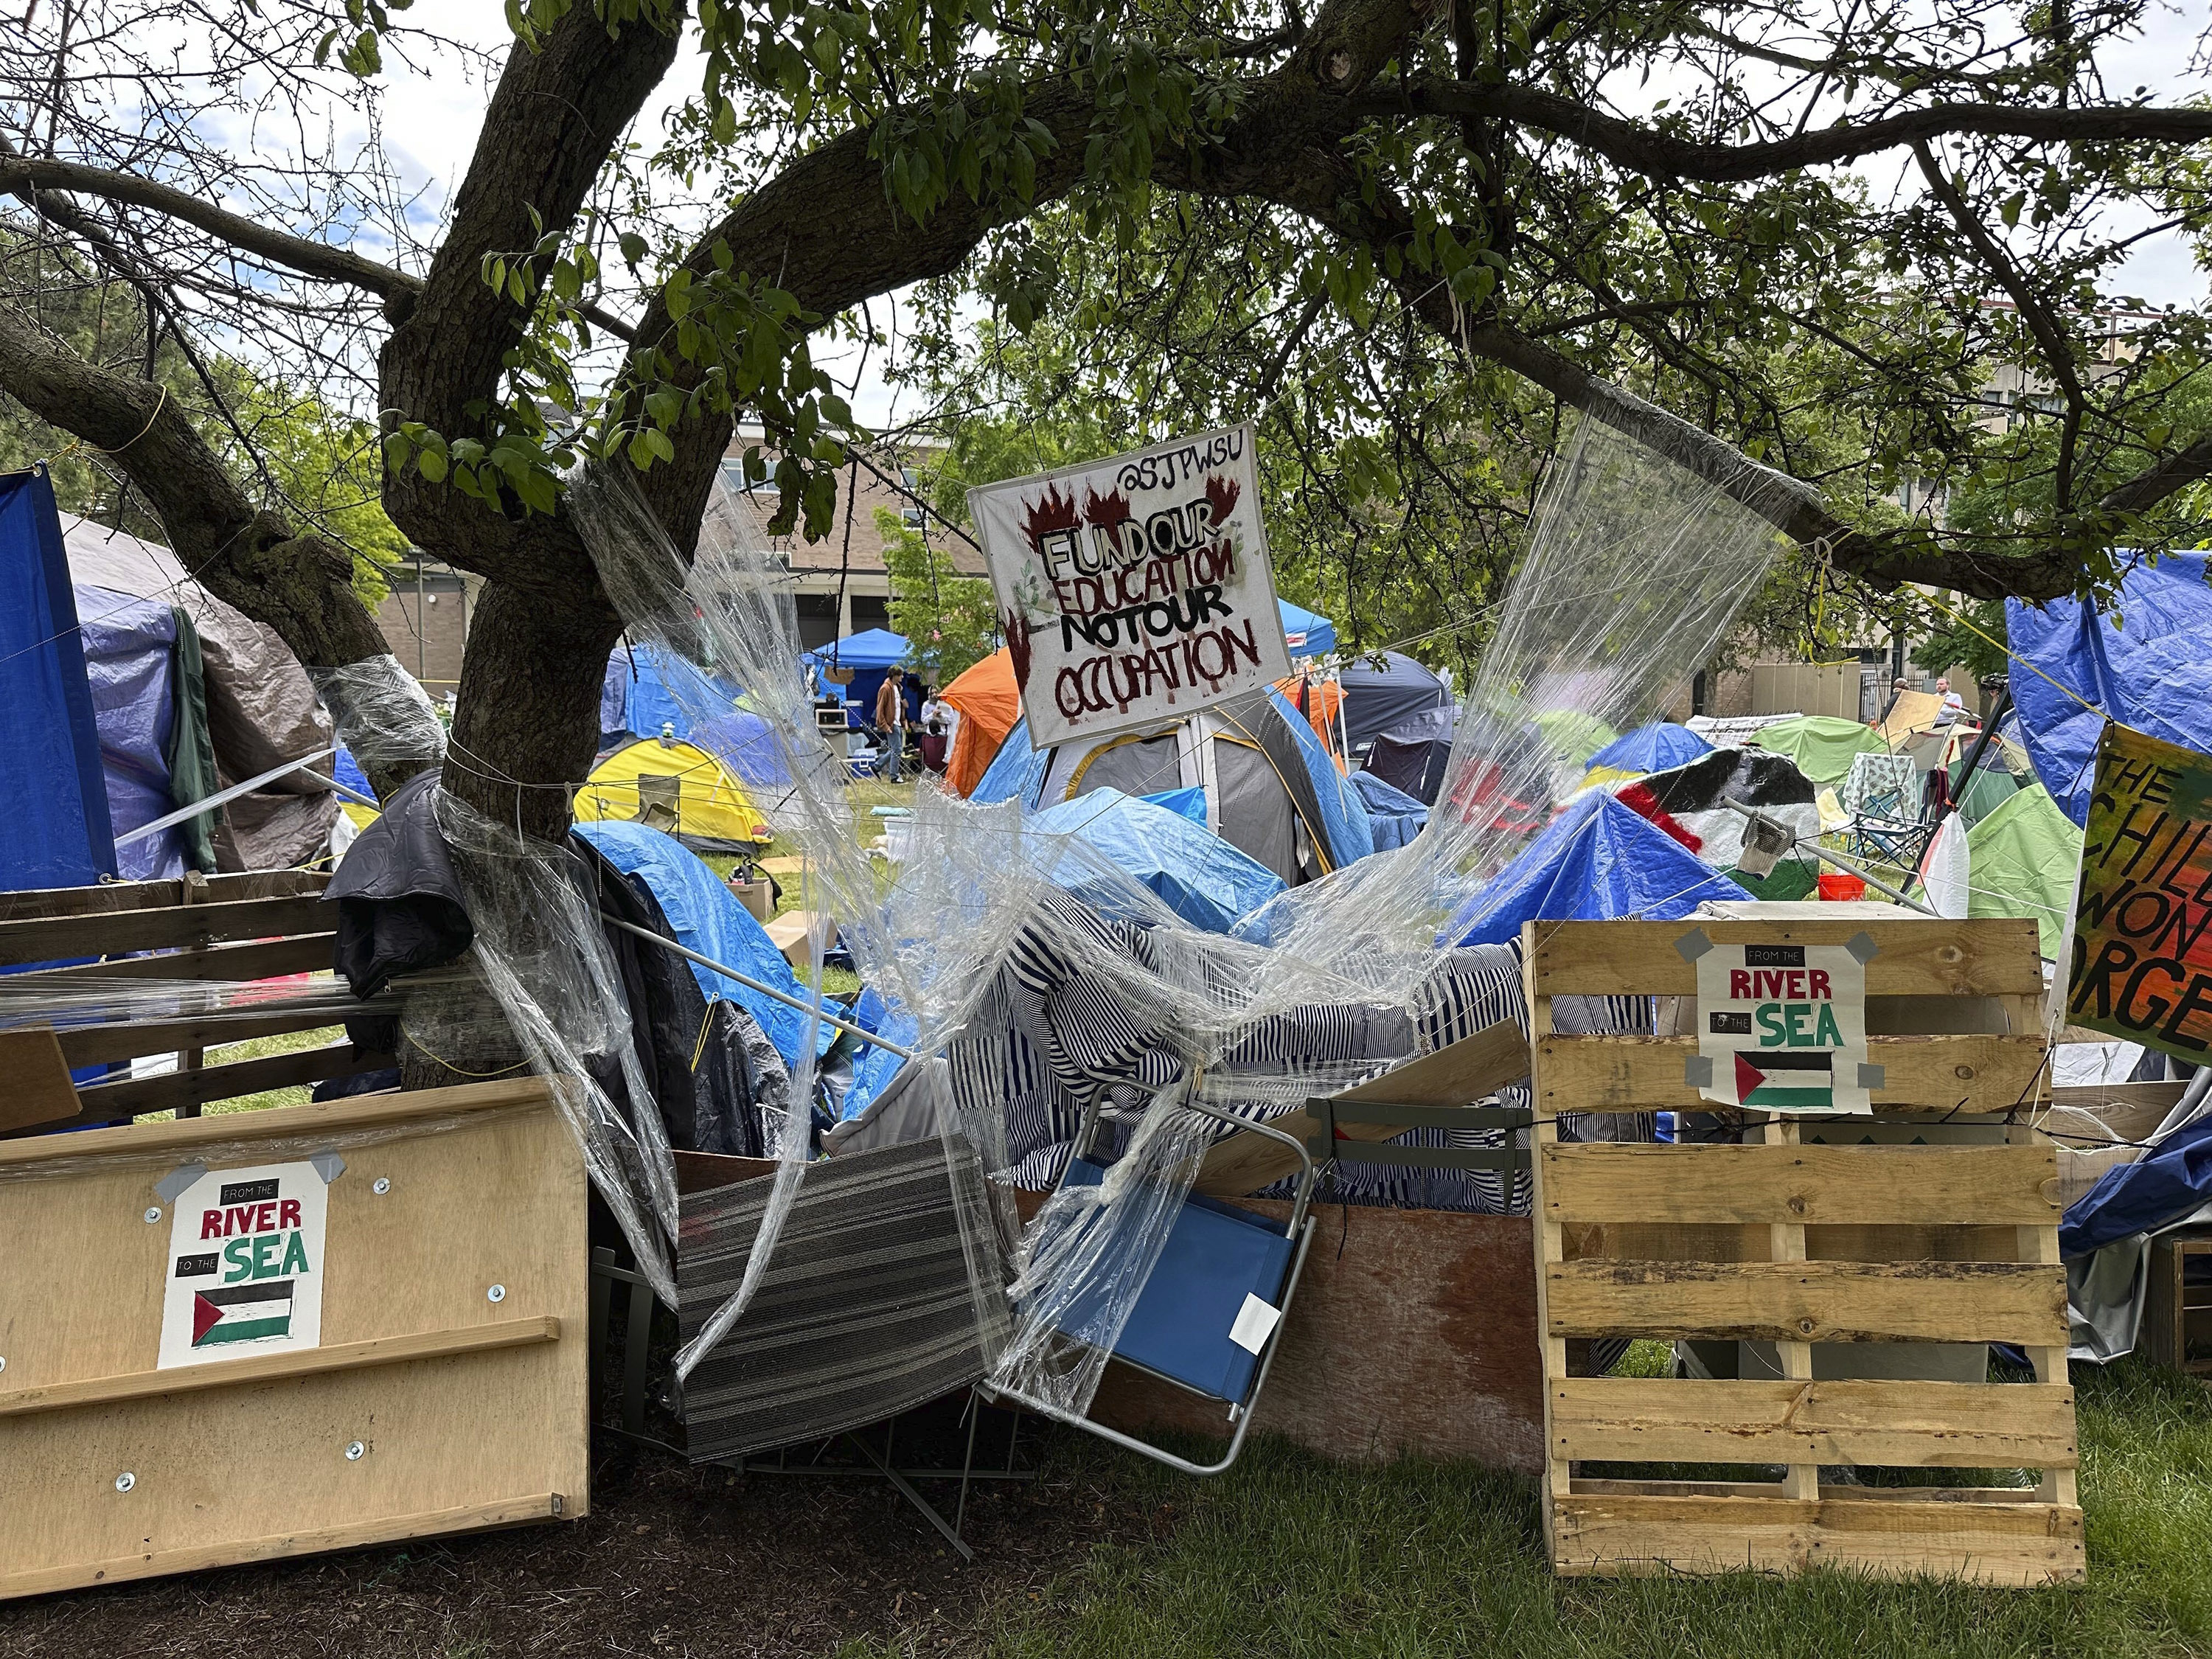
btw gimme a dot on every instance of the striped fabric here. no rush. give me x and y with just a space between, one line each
867 1309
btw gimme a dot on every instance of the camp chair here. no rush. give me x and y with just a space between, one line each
1217 1259
660 801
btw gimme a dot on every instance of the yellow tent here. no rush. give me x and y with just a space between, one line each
677 787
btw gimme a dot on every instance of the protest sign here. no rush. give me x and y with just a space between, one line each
244 1271
1782 1027
2141 965
1136 589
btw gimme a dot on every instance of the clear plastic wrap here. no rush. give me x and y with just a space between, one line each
384 718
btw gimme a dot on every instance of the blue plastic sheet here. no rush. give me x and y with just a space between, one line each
1394 817
130 648
743 743
1198 876
707 917
1190 802
1654 748
2165 1185
1597 861
347 771
1007 776
873 1065
1343 815
52 789
2144 662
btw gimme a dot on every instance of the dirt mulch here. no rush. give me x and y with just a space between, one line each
671 1561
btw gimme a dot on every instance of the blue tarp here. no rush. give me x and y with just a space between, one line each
347 771
2168 1183
1190 802
706 916
51 791
1597 861
1343 814
1008 777
1393 817
1654 748
1198 876
1307 633
129 652
658 688
1385 691
2145 663
874 1067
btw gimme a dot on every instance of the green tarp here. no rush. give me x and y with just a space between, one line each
1992 786
2024 855
1820 745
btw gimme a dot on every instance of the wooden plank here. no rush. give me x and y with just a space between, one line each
309 953
1965 1073
327 1117
1455 1075
1919 957
2157 1098
127 1039
1747 1242
111 1102
38 1091
1892 1186
1989 1543
223 1374
433 1523
51 938
1548 1240
110 897
1911 1425
1811 1301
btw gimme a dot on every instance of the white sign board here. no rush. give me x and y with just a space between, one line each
1781 1028
244 1272
1133 590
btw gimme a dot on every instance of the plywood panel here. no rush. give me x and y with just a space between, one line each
1887 1425
1925 1186
1968 1074
1810 1300
1915 957
38 1090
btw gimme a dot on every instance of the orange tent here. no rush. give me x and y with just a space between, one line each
1322 699
990 704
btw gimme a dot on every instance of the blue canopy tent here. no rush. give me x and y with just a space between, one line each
1198 876
1658 747
1384 691
2145 663
649 687
868 654
1307 634
52 789
1597 861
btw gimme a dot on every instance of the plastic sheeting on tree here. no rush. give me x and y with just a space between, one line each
1197 874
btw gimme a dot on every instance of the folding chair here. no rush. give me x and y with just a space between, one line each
660 801
1218 1260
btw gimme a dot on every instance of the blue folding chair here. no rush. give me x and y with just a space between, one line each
1217 1257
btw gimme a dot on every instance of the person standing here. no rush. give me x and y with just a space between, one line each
890 722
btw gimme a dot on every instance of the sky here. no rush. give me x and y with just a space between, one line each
432 110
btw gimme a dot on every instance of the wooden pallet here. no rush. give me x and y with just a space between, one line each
2177 1317
1796 1245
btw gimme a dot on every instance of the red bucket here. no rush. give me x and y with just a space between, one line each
1840 887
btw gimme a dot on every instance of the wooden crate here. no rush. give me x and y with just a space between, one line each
2177 1316
423 1406
269 924
1798 1244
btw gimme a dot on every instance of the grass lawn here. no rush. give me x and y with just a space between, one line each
1288 1555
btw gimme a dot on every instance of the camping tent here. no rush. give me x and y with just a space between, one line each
1820 745
59 834
1574 736
1385 691
1197 874
2022 857
2153 674
1271 788
714 813
649 688
746 745
1654 748
1596 862
990 705
1307 634
261 710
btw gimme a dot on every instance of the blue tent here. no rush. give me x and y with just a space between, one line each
347 771
1343 813
1008 775
1395 816
744 742
52 790
2145 663
1384 690
1597 861
1199 877
1654 748
648 687
129 666
1307 635
707 917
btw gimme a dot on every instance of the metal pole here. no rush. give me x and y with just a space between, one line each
1812 844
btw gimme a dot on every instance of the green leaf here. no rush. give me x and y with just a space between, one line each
633 247
431 464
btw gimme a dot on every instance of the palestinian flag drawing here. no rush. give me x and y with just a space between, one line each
1789 1081
242 1313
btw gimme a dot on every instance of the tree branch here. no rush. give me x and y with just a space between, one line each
2159 480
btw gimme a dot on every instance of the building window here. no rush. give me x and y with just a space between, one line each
733 474
911 514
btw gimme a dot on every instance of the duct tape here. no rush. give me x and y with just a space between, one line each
1861 946
329 1166
177 1180
1693 945
1872 1077
1698 1071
